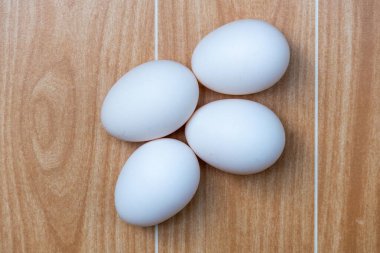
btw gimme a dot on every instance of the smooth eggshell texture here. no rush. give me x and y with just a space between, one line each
242 57
150 101
156 182
236 135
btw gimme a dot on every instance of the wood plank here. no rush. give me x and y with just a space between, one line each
349 123
271 211
58 166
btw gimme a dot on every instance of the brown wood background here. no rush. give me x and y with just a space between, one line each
271 211
349 121
58 167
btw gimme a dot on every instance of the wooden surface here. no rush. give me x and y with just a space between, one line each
58 167
271 211
349 137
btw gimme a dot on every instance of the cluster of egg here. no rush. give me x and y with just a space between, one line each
234 135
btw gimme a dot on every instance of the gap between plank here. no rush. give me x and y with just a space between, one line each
156 29
316 132
156 58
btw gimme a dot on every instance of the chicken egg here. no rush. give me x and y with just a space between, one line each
242 57
156 182
150 101
236 135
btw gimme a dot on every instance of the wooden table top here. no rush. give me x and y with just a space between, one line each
58 167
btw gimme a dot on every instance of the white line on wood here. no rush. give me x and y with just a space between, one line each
316 132
156 58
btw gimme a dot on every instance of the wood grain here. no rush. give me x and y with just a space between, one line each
58 167
271 211
349 122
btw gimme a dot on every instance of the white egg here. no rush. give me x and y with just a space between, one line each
236 135
150 101
156 182
242 57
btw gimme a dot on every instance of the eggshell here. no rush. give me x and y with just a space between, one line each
236 135
242 57
150 101
156 182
